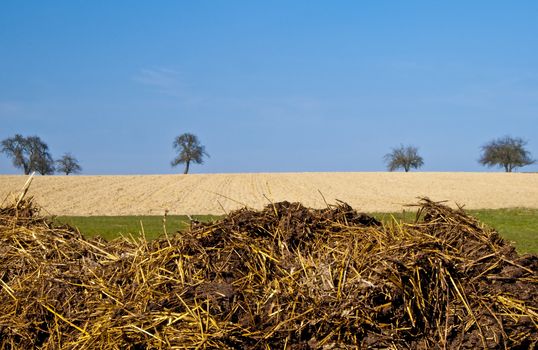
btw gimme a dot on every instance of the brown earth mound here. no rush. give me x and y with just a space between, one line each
286 277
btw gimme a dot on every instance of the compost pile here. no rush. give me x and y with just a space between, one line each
286 277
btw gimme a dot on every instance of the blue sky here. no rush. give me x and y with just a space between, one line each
269 86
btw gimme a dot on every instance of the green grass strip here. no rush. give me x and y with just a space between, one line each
519 226
110 227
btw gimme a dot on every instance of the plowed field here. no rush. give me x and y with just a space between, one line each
221 193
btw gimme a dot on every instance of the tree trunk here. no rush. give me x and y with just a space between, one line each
187 163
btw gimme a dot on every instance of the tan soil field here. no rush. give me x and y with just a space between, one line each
221 193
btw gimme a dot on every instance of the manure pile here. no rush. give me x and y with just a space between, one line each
286 277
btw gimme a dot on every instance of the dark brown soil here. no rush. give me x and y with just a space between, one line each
284 277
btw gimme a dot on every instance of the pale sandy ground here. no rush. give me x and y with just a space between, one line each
220 193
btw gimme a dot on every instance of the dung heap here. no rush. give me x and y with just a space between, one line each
286 277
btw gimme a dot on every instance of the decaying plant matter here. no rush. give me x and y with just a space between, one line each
286 277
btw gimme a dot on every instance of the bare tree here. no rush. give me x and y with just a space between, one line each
190 151
40 158
507 152
44 164
29 153
403 157
17 149
68 164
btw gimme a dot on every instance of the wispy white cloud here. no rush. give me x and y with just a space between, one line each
160 77
168 82
171 83
163 80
